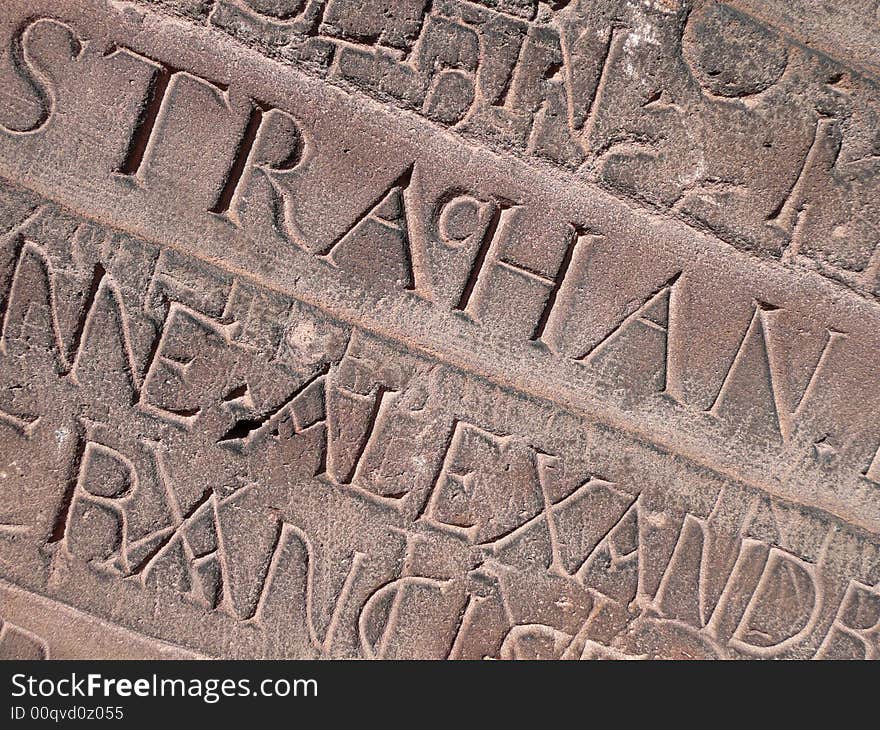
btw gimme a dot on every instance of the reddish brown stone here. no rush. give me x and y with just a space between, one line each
453 330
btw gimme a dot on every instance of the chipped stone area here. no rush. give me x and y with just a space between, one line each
450 330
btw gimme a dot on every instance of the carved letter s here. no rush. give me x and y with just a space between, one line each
33 72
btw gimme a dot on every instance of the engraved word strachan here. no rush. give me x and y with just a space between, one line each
465 330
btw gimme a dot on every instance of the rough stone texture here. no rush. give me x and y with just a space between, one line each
512 329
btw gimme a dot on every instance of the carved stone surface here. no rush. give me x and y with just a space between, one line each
451 329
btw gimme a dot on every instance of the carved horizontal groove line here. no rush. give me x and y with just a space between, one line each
100 623
469 363
763 19
843 280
